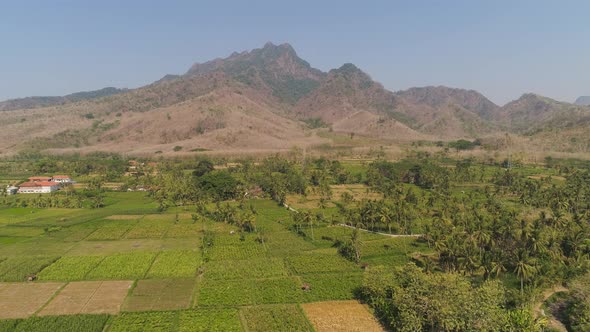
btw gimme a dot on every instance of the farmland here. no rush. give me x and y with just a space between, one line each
146 261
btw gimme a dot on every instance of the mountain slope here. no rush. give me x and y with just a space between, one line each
350 101
35 102
532 113
448 113
441 96
260 99
583 100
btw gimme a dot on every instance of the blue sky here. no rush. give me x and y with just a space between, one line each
500 48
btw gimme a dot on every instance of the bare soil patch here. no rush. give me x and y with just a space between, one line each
21 300
89 297
341 316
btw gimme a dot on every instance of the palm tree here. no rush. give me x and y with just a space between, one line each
524 269
308 219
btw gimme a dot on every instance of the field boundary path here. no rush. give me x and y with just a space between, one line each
384 234
538 311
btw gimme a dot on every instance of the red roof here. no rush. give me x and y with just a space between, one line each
39 184
61 177
41 178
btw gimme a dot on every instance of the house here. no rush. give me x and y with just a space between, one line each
38 187
11 190
39 179
62 179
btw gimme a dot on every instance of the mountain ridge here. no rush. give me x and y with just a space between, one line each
44 101
225 102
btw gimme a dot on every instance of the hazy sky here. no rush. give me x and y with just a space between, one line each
500 48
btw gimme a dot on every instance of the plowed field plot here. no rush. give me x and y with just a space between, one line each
20 300
341 316
88 297
169 294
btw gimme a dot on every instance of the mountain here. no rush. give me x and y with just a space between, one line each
447 112
269 99
348 100
35 102
274 69
583 100
532 112
441 96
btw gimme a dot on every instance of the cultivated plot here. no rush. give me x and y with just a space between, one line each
319 263
206 320
341 316
144 322
175 264
88 297
331 286
70 268
168 294
250 291
246 269
20 268
20 300
73 323
123 266
279 317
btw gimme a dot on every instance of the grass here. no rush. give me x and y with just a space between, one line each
166 294
287 243
210 320
175 263
334 286
70 268
144 322
275 318
74 323
123 266
245 269
111 231
148 230
19 268
318 263
246 250
246 284
250 291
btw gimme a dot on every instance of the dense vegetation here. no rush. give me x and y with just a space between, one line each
480 240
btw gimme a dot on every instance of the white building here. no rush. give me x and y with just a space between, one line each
11 190
40 187
62 179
